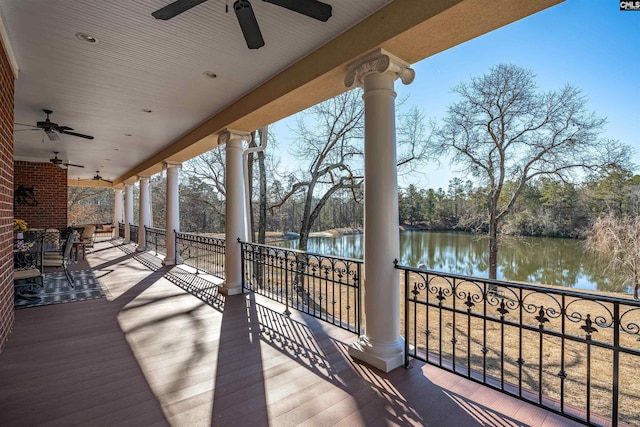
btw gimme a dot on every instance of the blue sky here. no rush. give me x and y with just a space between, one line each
590 44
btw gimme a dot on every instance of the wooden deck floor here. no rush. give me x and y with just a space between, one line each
152 353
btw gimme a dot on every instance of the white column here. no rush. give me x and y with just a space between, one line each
173 212
150 204
117 211
128 211
143 214
381 345
234 209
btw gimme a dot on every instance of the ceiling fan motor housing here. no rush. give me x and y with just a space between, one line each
47 126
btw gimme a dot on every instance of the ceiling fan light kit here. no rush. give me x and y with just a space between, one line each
247 19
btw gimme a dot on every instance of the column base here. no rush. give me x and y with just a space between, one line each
228 290
140 248
363 351
171 261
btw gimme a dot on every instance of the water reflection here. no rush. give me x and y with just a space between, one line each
553 261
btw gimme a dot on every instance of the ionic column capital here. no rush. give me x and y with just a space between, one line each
231 134
171 165
379 61
143 178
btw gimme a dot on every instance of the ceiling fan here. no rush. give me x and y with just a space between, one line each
61 164
247 19
99 178
50 128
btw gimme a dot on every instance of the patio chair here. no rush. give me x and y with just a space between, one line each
57 260
27 267
87 236
52 240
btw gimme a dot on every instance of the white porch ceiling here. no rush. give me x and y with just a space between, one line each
141 63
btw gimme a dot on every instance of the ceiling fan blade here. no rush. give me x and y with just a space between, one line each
20 130
248 24
24 124
51 134
175 8
66 132
311 8
71 164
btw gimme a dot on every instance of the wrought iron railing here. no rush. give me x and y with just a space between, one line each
323 286
156 240
571 352
133 233
121 230
204 253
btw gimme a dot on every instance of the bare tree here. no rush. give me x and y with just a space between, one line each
616 240
209 167
87 205
258 158
202 192
329 135
503 131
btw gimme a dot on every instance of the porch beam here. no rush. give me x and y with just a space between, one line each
412 29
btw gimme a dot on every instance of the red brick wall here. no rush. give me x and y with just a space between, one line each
50 189
6 198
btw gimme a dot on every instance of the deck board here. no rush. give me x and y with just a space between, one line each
153 354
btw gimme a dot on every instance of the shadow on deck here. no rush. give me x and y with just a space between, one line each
164 348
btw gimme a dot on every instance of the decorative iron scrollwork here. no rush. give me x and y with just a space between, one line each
587 327
541 318
502 309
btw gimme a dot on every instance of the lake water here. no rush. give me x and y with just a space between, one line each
544 260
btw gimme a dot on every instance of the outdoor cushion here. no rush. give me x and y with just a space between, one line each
26 274
88 231
52 262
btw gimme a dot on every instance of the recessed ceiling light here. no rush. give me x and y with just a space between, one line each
146 110
116 149
127 134
210 74
88 38
108 160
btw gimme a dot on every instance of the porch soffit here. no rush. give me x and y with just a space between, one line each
410 29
